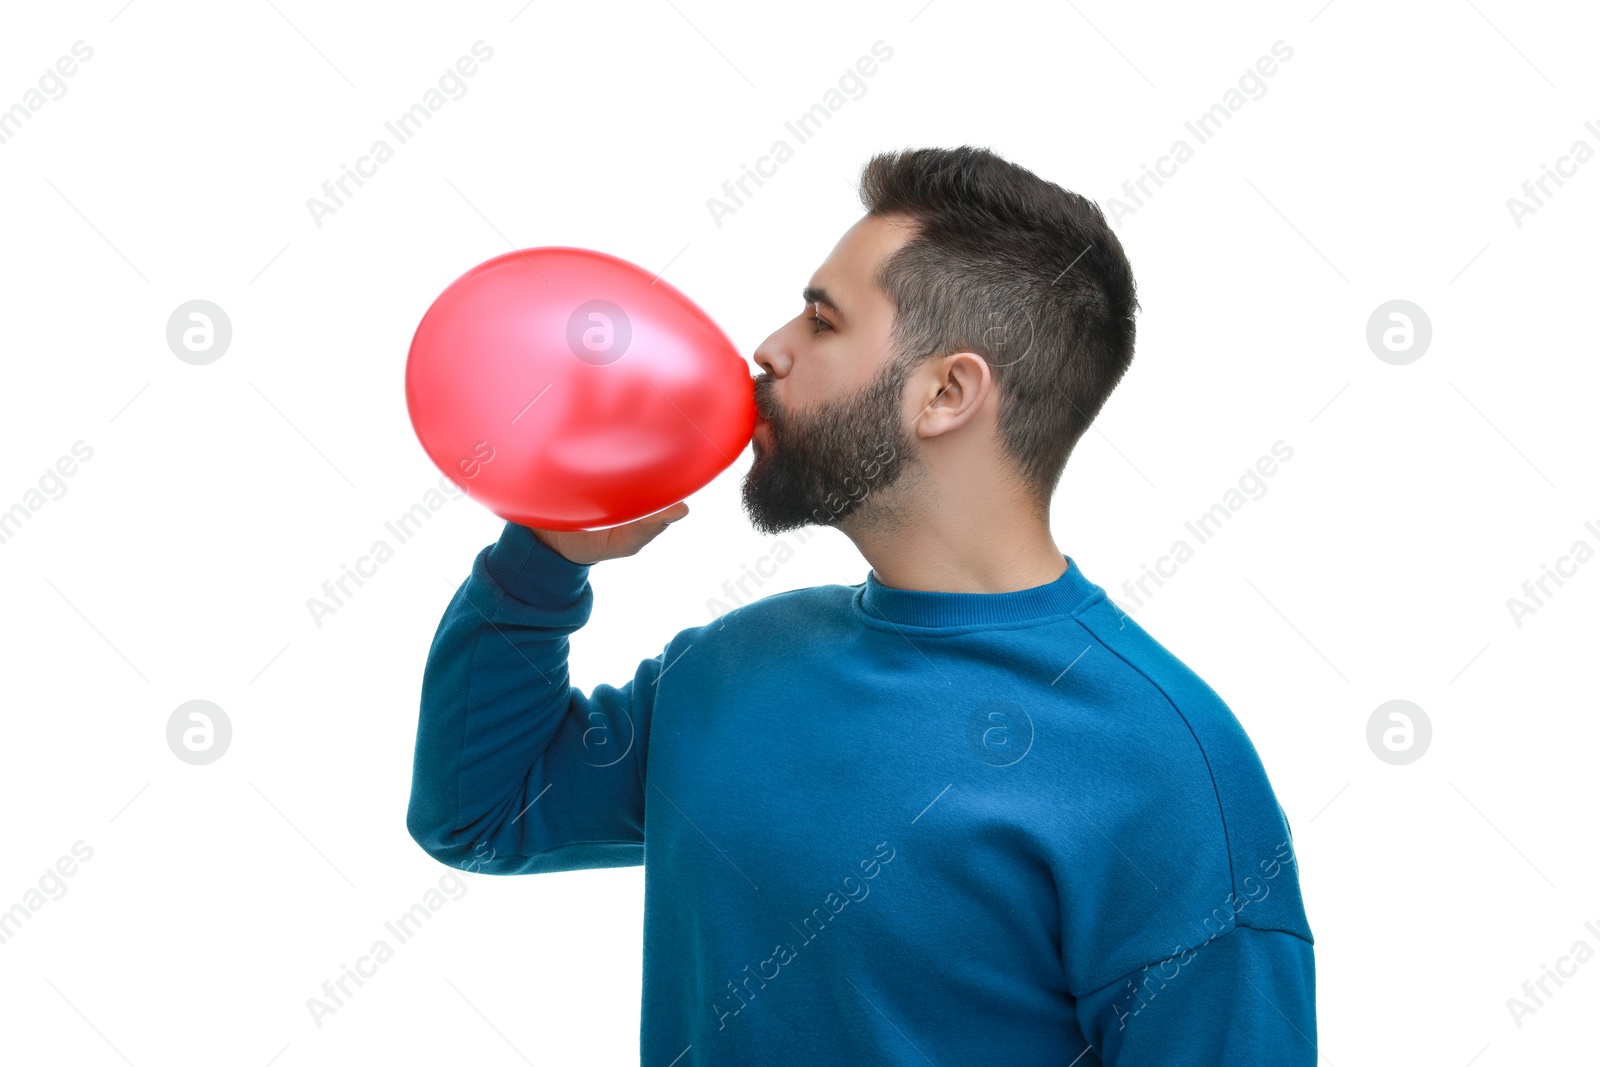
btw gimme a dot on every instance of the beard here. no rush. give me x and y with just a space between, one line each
823 465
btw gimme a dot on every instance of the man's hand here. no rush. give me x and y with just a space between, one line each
592 546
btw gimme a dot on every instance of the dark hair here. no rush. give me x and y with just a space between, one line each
1018 270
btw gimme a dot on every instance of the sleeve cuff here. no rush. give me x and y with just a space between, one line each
533 572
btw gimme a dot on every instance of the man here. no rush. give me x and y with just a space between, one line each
964 811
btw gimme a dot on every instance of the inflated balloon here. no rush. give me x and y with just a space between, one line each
566 389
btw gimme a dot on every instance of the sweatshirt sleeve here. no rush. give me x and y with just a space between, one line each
516 771
1245 998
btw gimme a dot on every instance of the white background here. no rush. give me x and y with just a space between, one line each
178 563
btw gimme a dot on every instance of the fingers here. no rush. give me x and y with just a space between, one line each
641 532
652 526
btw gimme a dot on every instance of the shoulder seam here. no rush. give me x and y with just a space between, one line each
1274 930
1222 815
1196 948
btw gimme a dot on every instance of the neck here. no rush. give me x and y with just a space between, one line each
983 546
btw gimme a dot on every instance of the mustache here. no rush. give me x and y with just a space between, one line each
764 403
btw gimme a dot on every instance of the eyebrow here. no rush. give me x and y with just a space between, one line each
813 295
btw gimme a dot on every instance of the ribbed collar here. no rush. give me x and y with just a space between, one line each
915 607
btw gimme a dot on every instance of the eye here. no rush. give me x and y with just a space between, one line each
821 323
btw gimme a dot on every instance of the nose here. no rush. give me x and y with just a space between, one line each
771 357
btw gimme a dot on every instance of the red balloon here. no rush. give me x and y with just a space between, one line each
566 389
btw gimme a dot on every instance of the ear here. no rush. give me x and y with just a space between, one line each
950 392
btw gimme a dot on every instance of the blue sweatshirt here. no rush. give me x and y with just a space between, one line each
883 826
